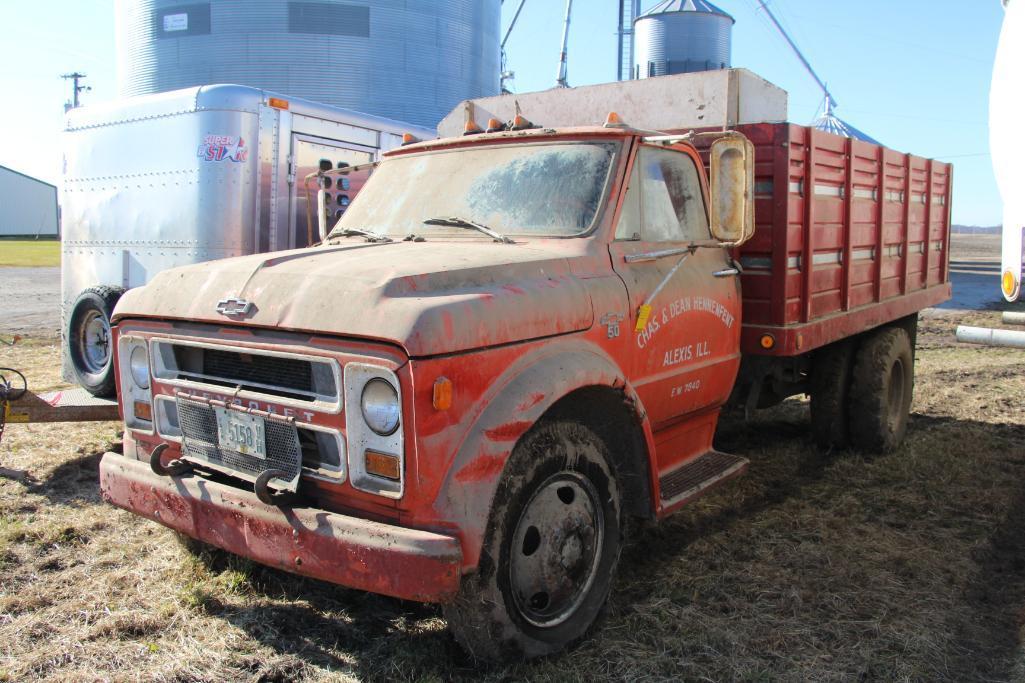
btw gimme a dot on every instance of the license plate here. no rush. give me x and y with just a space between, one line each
241 432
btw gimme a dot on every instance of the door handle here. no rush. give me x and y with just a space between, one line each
726 272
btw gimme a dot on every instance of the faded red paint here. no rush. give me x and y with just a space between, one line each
530 401
508 432
515 328
484 467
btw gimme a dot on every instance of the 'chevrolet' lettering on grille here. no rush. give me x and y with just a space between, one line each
234 307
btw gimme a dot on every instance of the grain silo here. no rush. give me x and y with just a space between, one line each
411 61
681 36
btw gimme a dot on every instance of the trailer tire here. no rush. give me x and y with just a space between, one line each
830 395
88 339
550 550
881 390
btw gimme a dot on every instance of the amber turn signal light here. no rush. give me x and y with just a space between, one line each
382 465
767 341
1008 284
442 393
143 410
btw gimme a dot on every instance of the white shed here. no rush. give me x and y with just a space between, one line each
28 206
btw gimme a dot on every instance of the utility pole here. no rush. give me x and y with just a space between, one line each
75 77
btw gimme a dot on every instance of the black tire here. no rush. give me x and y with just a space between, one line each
524 600
881 390
830 391
88 339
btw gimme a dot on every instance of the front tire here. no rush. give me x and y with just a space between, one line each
89 343
881 390
550 550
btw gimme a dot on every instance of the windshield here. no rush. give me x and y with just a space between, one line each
546 189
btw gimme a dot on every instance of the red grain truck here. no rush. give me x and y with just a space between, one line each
515 340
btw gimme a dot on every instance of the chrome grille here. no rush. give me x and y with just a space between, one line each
199 442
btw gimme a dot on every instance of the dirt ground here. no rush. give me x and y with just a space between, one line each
836 567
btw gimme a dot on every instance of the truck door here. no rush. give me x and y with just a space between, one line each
307 153
686 357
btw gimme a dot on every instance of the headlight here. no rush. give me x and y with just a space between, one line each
380 405
139 364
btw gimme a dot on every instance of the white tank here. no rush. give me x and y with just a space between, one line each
1006 104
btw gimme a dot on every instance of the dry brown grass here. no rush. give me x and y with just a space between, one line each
909 566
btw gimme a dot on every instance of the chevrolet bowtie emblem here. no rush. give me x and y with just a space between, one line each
234 307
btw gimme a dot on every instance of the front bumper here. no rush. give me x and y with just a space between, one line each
358 553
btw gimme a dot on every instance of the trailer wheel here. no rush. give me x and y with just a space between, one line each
881 390
89 341
550 551
830 392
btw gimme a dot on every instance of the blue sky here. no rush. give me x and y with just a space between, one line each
912 73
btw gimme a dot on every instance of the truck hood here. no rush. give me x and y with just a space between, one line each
428 297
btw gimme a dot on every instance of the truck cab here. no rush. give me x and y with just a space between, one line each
509 344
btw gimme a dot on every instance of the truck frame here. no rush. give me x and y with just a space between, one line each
514 342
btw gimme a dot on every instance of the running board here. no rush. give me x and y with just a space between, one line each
698 476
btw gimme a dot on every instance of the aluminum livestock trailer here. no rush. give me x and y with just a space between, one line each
192 175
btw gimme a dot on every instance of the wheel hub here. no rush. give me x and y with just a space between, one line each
556 549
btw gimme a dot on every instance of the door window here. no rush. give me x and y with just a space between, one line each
664 202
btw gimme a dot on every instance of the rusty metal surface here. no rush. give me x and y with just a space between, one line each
404 563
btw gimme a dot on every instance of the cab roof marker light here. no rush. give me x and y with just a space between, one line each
278 103
613 121
471 128
520 122
495 126
409 139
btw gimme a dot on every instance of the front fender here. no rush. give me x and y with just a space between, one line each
525 391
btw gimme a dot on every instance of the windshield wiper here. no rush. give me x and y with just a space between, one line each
456 222
371 236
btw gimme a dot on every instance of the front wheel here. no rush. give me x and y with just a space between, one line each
550 551
89 344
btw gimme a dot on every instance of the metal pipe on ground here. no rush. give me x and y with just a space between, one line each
990 337
1011 318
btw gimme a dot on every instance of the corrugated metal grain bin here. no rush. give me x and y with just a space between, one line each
410 61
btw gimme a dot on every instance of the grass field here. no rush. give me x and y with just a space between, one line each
30 253
904 567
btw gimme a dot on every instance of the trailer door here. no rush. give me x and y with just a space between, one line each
307 153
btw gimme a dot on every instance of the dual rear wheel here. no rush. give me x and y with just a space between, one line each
861 393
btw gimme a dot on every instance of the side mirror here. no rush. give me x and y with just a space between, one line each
322 227
733 189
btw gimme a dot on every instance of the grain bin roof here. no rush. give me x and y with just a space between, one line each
667 6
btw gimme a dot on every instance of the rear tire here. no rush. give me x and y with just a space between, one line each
88 338
881 390
550 551
830 394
